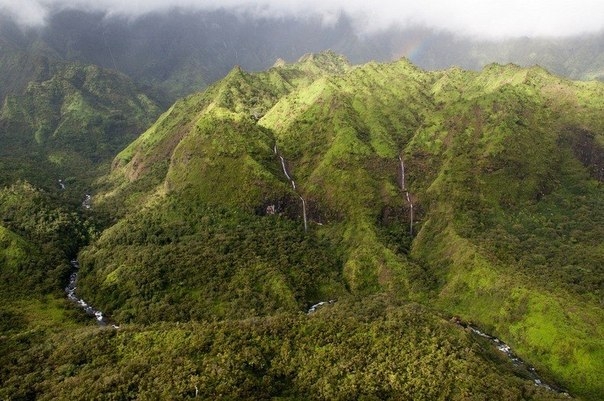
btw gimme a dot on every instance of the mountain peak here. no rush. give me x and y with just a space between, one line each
328 61
279 63
236 70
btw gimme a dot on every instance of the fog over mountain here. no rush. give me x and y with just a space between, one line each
493 18
177 47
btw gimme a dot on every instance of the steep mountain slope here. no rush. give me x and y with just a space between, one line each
223 184
61 120
509 205
478 194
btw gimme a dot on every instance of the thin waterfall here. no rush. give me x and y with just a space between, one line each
407 196
411 218
304 213
402 173
284 169
293 183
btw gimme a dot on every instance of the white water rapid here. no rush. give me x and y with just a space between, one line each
71 289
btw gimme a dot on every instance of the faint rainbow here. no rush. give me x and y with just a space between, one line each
412 48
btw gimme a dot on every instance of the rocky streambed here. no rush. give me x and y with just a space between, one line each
89 309
527 369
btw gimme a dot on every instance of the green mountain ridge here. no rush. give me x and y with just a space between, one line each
182 51
491 170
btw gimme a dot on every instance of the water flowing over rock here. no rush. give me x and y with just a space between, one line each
86 204
316 306
507 350
304 212
407 196
293 183
71 295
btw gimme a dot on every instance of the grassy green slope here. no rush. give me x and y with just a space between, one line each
186 128
503 168
206 173
343 135
508 209
495 158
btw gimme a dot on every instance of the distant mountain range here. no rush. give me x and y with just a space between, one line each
61 120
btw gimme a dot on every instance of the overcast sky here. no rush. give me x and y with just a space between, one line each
493 18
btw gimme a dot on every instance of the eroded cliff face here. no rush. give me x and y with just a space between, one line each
587 148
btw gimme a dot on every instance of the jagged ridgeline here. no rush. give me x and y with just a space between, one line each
62 120
503 169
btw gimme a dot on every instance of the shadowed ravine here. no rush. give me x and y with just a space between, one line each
73 279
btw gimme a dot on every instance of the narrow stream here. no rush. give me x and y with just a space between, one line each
71 295
507 350
316 306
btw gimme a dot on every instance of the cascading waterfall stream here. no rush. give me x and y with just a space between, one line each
303 212
407 196
73 279
400 159
293 183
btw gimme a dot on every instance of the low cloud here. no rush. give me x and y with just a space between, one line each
500 18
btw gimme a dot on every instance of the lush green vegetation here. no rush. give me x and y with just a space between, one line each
61 120
369 349
38 237
180 261
204 256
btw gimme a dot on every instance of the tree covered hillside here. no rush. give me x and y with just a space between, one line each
477 194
